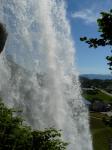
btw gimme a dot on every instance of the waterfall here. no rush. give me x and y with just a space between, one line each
38 72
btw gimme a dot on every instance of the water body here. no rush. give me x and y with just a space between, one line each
38 72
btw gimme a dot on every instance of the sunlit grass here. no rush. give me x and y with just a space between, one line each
97 95
101 133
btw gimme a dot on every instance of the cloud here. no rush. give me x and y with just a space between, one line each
87 15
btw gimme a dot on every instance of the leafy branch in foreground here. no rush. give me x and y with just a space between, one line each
16 136
105 30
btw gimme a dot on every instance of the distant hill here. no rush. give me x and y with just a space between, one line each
97 76
103 82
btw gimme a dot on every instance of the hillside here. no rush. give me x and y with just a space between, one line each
101 133
98 95
97 76
96 83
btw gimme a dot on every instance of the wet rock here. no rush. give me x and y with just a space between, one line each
3 36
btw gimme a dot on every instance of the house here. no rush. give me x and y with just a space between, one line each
99 106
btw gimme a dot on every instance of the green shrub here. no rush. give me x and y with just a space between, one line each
16 136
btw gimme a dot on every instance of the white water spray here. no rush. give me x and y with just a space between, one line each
41 77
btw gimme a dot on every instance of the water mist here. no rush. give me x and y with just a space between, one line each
37 69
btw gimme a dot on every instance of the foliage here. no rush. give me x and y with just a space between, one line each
48 140
16 136
107 121
98 96
105 30
96 83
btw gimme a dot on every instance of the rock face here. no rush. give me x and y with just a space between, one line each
3 36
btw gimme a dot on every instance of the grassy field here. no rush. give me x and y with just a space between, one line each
101 133
97 95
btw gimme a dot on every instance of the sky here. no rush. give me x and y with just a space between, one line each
82 15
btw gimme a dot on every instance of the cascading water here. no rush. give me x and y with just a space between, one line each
40 72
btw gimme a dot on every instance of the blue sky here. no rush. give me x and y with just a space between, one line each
82 15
